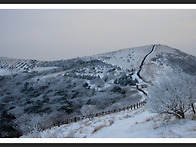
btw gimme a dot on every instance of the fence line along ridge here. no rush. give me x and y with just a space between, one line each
90 116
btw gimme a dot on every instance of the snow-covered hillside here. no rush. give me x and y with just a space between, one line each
38 94
129 59
138 123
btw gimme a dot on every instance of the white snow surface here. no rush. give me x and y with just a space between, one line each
129 58
5 72
138 123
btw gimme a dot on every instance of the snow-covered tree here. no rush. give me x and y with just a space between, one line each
88 110
174 93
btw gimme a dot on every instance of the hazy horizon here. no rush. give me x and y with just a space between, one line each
55 34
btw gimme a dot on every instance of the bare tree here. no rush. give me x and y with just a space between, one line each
174 93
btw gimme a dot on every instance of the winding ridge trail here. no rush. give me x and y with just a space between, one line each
142 63
140 68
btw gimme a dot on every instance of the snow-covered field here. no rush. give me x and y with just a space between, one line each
138 123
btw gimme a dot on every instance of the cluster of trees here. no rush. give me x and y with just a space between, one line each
182 61
174 93
28 97
126 80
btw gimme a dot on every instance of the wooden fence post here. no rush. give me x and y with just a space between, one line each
123 109
71 119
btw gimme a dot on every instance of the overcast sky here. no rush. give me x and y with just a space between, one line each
55 34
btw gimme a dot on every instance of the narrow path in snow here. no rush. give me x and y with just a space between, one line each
142 63
140 69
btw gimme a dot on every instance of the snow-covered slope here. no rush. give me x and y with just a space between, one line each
13 66
126 58
138 123
42 93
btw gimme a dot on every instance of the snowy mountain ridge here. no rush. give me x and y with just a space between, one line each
51 92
